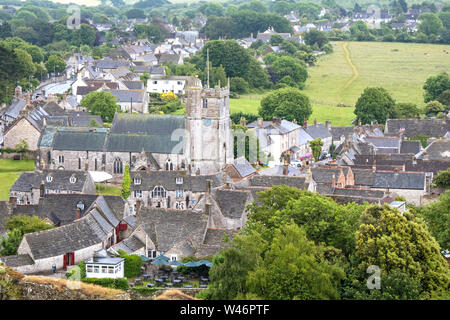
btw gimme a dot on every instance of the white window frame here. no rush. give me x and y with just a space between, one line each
179 180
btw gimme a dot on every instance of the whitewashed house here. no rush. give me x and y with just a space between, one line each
102 265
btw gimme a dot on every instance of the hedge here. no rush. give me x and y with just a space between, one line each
121 283
145 291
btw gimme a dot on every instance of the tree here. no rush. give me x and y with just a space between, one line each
288 66
144 78
135 14
374 104
434 108
18 226
396 241
316 147
229 54
22 146
238 85
102 104
434 86
126 182
288 103
316 37
294 268
405 110
442 180
444 98
437 214
430 24
55 64
86 34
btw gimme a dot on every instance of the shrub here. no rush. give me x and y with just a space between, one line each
442 180
145 291
121 283
132 265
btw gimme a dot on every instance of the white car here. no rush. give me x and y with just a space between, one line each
296 163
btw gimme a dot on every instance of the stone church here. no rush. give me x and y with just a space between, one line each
200 142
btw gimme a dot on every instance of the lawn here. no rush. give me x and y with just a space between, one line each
342 76
10 171
105 189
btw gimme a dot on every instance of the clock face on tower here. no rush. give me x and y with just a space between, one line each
207 122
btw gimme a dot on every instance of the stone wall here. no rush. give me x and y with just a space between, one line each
22 130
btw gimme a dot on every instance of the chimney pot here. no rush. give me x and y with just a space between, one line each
77 213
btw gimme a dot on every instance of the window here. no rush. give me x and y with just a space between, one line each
179 205
73 179
159 192
61 159
118 166
169 165
179 180
96 167
155 82
152 254
104 269
138 193
90 268
96 269
110 269
179 193
49 178
79 163
173 257
179 83
137 180
205 103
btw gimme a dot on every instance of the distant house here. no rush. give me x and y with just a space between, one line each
418 127
34 185
168 57
436 150
318 130
131 100
175 84
240 169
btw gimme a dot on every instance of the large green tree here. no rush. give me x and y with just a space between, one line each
288 66
436 85
374 104
395 241
430 24
102 104
288 103
55 64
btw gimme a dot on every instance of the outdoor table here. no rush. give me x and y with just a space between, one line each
203 286
188 286
150 285
169 284
204 279
181 278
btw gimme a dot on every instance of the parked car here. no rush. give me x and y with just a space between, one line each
296 164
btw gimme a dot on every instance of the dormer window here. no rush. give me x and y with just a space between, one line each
80 206
49 178
169 165
179 180
73 179
137 180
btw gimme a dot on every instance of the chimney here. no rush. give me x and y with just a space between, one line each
260 123
276 121
197 172
374 166
43 93
396 170
333 182
42 189
315 121
207 209
208 187
138 206
305 123
243 121
77 213
294 121
359 122
28 99
328 124
404 167
13 201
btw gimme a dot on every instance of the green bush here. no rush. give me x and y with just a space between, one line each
145 291
132 265
121 283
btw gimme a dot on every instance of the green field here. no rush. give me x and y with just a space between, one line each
105 189
341 77
10 171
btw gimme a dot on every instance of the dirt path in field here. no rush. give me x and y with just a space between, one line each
349 61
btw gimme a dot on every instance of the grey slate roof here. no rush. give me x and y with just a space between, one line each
134 85
80 234
129 245
166 227
147 123
437 150
318 131
278 170
413 146
418 127
363 177
269 181
232 202
17 261
60 181
79 141
15 107
129 95
400 180
167 179
325 175
243 167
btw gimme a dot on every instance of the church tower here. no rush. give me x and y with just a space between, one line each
209 145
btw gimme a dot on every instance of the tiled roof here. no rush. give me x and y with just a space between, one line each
418 127
232 202
79 141
60 180
399 180
243 167
269 181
